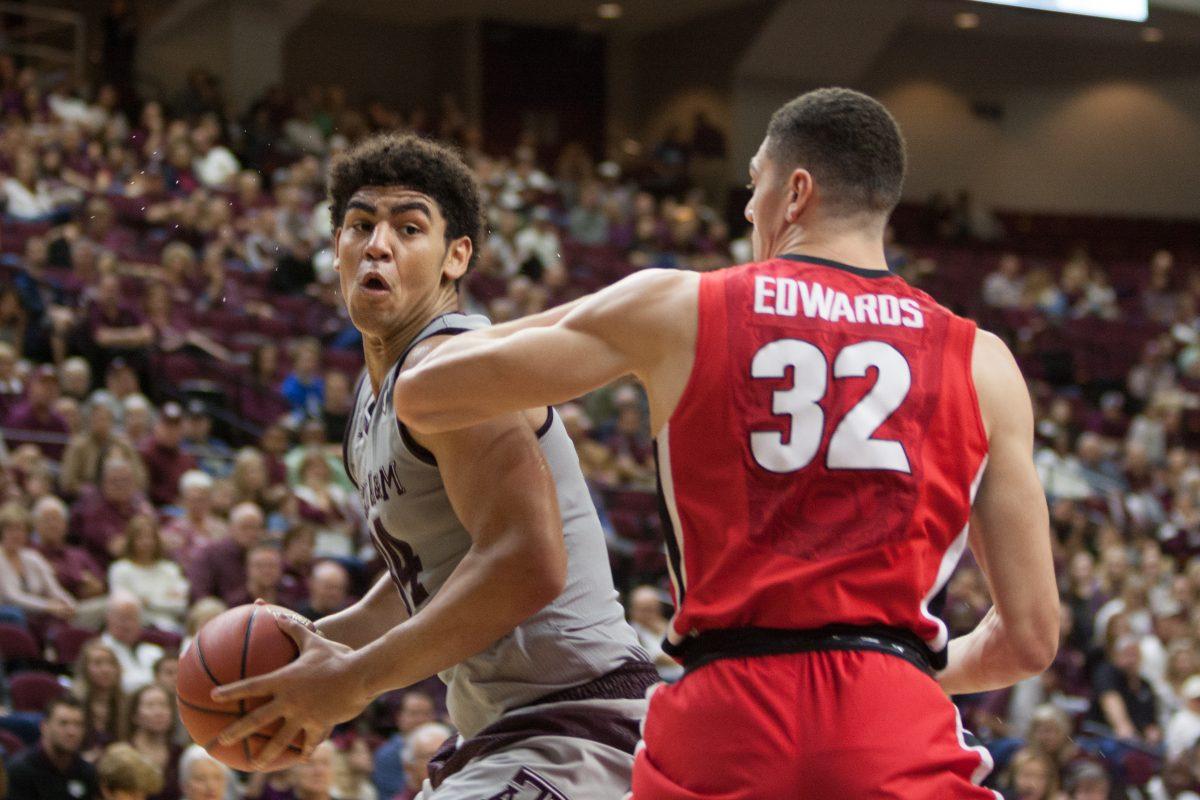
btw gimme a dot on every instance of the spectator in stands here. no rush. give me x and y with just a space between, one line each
144 571
304 387
202 777
12 388
165 460
53 769
75 378
97 684
416 708
328 590
648 621
326 507
116 330
265 579
1121 698
313 779
1032 775
138 419
419 748
74 568
26 580
123 633
186 534
25 194
253 483
587 223
1088 781
213 455
1040 294
352 770
1159 298
100 516
219 567
339 403
34 419
1183 731
298 543
123 773
198 614
85 452
152 721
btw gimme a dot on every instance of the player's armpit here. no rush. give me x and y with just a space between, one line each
1010 535
630 327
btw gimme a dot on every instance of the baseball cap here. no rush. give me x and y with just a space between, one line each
1191 688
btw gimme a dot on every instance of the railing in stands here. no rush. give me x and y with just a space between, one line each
38 23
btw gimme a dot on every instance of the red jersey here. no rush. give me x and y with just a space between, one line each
820 467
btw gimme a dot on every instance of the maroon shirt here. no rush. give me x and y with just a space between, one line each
218 570
95 521
165 466
70 565
24 417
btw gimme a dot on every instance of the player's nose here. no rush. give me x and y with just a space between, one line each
379 245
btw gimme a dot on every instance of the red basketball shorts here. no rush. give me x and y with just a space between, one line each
827 725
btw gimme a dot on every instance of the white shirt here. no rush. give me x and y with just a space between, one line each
137 663
160 587
1182 732
215 168
24 204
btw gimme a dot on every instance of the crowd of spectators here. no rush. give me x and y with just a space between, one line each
176 371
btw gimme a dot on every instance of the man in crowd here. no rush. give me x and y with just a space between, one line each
416 708
265 579
100 515
86 450
122 634
328 590
197 526
35 418
53 769
165 460
421 746
73 566
219 567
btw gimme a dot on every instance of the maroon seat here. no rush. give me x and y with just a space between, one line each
67 641
16 643
165 639
31 691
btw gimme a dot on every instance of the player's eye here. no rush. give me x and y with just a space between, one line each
411 230
363 226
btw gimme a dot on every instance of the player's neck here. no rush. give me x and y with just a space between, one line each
382 352
861 248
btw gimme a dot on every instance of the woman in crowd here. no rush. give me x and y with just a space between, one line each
1032 775
325 506
26 579
252 482
124 774
152 724
201 612
144 571
202 777
97 684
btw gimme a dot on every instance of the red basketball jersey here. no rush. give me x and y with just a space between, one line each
820 467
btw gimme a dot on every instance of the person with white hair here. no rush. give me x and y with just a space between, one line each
122 634
420 747
197 526
202 777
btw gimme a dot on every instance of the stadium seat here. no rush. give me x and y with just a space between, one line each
67 641
31 691
10 743
165 639
17 644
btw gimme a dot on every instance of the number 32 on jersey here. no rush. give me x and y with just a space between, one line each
852 444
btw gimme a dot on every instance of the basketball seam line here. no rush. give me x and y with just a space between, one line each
205 709
245 653
203 663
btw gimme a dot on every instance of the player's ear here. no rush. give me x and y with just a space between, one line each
800 192
458 258
337 238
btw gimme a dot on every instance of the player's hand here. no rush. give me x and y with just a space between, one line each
311 694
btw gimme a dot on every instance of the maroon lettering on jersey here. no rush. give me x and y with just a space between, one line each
821 464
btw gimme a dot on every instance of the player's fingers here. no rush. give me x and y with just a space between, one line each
311 740
294 628
276 745
258 686
258 718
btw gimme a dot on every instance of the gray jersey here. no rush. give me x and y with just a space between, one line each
578 637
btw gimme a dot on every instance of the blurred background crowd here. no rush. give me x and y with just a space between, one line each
176 371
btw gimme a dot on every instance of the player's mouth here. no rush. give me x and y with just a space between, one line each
374 283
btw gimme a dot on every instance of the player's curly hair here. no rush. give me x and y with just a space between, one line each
394 159
849 142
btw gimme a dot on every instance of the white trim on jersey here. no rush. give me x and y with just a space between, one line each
986 764
668 490
949 561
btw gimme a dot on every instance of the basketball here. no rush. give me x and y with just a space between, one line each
239 643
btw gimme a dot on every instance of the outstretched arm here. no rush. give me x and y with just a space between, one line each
1010 537
633 326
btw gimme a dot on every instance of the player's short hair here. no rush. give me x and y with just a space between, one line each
393 159
849 142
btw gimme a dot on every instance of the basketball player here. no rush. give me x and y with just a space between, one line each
824 434
498 573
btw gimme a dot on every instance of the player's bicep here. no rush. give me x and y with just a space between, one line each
501 488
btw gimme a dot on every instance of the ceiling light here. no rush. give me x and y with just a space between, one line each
966 21
609 10
1152 35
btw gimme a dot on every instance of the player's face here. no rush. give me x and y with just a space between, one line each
393 258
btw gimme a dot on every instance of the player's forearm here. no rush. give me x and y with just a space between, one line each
380 610
490 592
993 656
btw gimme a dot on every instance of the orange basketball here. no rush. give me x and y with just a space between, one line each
240 643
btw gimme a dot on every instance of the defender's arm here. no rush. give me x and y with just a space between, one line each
549 358
1010 537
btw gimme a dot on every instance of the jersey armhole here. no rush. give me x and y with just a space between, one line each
970 334
348 433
